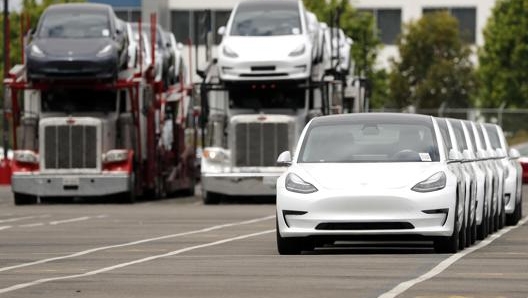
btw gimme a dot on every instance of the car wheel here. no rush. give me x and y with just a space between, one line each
482 229
24 199
462 235
210 198
449 244
288 245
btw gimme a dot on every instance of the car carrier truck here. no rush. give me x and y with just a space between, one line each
86 138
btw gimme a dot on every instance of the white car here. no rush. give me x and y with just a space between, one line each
265 40
370 175
513 174
339 47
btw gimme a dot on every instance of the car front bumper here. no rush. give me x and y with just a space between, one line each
297 68
243 184
366 213
65 69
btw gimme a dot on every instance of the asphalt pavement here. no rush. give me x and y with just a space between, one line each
178 247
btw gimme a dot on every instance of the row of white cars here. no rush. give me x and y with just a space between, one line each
403 176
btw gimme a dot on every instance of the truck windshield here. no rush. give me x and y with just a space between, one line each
67 101
258 98
262 19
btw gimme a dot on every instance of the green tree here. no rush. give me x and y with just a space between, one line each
434 66
503 60
361 28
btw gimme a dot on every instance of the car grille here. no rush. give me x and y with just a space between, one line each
70 147
260 143
364 226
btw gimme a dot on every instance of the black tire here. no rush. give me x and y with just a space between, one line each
473 232
210 198
449 244
288 245
24 199
482 229
462 235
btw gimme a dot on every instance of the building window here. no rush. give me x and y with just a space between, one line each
388 23
467 20
193 24
128 15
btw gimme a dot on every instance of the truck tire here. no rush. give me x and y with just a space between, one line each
24 199
210 198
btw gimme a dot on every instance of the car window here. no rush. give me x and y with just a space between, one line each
493 136
481 135
369 142
445 133
66 24
471 135
459 135
266 20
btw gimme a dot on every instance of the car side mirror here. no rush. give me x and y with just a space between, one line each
514 153
349 40
221 30
454 155
179 45
467 155
284 159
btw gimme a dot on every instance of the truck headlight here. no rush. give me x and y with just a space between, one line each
214 154
435 182
115 155
26 156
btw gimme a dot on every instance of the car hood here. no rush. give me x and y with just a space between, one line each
251 48
63 47
366 175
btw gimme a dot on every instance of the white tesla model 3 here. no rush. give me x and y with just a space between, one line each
363 175
265 40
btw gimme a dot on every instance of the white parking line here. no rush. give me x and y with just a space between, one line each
85 252
404 286
22 218
37 224
58 222
147 259
5 227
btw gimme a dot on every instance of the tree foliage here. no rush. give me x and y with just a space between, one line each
434 66
503 60
361 28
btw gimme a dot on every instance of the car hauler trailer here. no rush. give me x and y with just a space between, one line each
85 138
254 109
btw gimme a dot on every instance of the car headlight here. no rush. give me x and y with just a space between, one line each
298 51
36 51
26 156
228 52
295 183
115 155
435 182
105 51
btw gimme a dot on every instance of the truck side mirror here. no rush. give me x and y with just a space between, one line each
284 159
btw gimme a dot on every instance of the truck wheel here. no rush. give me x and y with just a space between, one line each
210 198
24 199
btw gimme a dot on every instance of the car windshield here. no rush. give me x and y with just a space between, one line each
145 28
266 20
369 142
75 25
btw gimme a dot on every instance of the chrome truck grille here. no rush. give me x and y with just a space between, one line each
70 147
259 143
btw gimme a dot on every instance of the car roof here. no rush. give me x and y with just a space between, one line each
79 6
261 4
372 117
